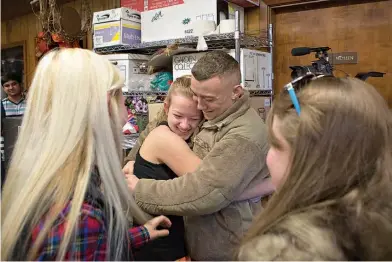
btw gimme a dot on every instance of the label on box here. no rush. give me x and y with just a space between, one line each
182 64
123 72
105 33
131 33
98 40
142 5
155 4
115 15
114 33
262 105
133 4
267 102
179 18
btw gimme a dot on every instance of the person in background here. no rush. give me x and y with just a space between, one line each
165 154
66 168
332 167
14 104
2 147
232 144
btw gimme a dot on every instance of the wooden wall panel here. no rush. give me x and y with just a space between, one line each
25 28
283 2
365 28
256 19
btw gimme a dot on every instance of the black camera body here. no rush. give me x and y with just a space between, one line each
321 66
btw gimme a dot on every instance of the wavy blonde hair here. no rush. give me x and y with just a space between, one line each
341 149
68 131
181 86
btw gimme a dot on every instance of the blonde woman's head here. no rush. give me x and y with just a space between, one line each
180 109
71 128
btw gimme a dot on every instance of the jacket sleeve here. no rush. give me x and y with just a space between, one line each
132 155
226 171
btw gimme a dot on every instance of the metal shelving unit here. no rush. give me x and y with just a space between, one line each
234 40
260 92
163 93
218 41
145 93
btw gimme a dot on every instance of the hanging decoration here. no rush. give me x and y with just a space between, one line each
61 27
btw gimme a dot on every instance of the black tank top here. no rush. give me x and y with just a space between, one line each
168 248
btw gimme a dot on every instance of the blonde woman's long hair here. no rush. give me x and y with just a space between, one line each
341 149
68 131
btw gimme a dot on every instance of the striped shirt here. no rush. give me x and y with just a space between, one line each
13 109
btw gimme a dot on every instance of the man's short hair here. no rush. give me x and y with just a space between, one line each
9 77
216 63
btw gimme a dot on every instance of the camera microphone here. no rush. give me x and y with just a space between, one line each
300 51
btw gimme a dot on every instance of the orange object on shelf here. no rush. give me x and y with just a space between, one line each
57 38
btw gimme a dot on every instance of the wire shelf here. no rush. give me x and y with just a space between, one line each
145 93
260 92
216 41
164 93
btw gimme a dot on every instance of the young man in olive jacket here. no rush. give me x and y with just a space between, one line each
233 145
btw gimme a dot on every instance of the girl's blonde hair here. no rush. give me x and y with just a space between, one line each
181 86
341 149
68 131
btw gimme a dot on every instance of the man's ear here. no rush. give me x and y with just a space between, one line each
238 91
166 107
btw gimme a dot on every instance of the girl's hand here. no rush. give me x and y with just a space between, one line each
131 181
152 225
128 168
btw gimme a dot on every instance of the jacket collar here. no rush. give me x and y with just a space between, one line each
236 110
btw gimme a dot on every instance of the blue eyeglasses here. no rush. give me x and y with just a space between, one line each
290 89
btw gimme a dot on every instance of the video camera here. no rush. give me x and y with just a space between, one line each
318 67
322 66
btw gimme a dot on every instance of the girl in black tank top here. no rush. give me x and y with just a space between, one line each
183 118
171 247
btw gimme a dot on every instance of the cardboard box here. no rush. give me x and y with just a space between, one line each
130 66
155 4
262 105
137 5
178 19
256 71
145 5
120 26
